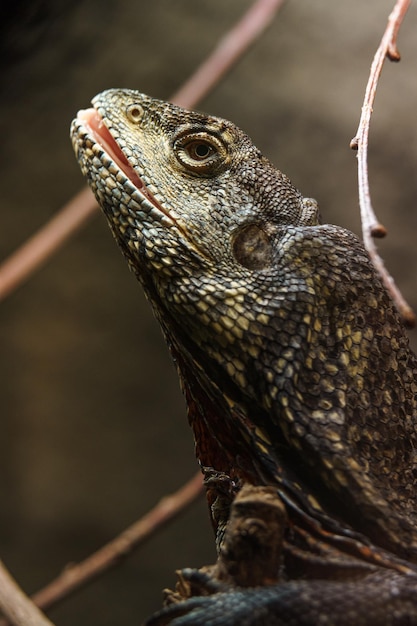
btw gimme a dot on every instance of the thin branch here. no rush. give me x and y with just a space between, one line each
36 250
16 606
114 552
20 265
370 226
227 52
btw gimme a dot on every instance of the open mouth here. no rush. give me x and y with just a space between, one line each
93 122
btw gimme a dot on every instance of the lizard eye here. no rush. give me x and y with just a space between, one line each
200 152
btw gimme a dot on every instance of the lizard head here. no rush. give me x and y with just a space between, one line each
197 174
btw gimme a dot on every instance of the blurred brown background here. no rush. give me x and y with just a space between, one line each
93 427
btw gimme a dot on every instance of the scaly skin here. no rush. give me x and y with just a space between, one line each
295 367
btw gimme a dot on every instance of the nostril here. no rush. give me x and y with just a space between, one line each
134 113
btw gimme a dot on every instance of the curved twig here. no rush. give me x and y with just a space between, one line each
111 554
370 225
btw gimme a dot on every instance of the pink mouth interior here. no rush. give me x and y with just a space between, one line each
97 128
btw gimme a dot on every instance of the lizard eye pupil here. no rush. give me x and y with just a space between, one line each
199 150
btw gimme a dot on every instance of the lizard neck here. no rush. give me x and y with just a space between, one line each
223 423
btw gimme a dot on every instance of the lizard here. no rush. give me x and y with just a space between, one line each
295 366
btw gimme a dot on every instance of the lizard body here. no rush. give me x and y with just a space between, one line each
295 366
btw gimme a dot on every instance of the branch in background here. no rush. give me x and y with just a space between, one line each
107 557
16 606
32 254
20 265
370 226
228 51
